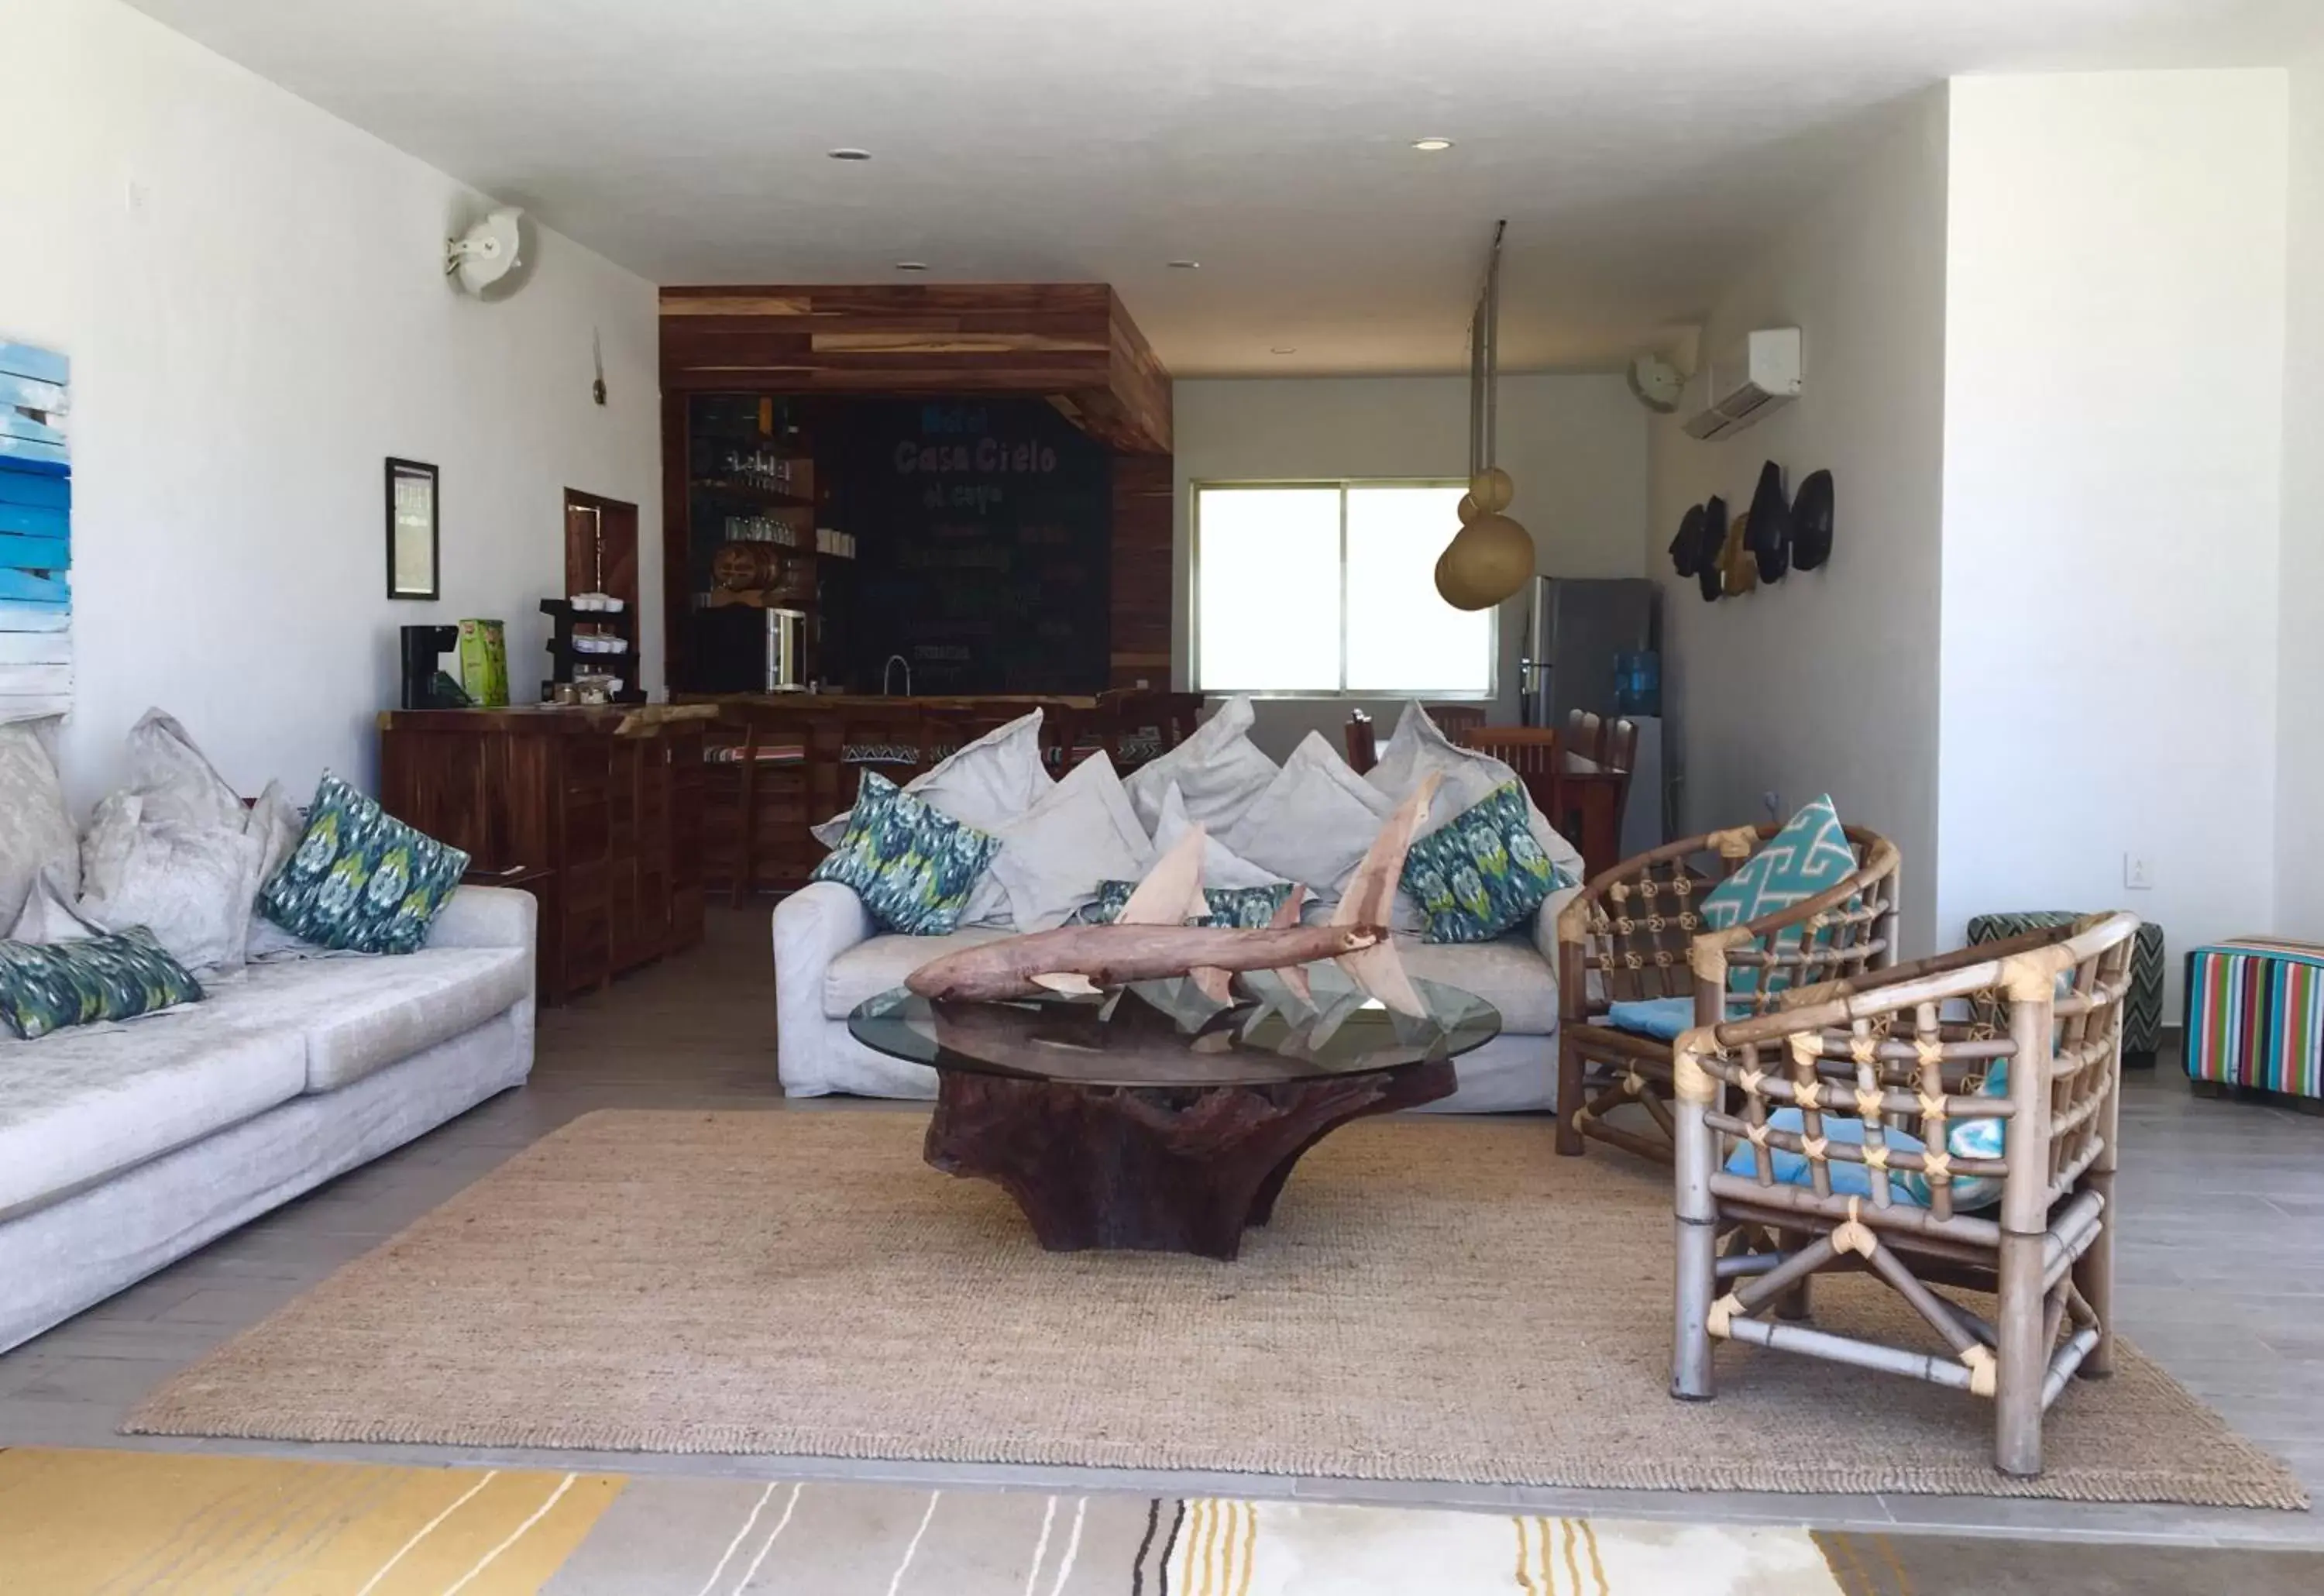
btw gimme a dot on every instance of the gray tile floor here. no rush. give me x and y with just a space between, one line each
2221 1268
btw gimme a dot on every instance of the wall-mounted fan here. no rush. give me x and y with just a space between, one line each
486 253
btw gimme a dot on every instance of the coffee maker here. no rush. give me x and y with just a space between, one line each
425 685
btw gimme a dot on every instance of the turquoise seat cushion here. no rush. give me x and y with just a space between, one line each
46 986
1812 854
360 881
1978 1138
1481 872
1664 1018
912 866
1243 909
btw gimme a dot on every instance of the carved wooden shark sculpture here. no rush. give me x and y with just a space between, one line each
1150 941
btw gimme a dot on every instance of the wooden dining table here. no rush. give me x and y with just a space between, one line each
1591 797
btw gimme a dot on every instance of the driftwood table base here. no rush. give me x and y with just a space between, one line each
1157 1168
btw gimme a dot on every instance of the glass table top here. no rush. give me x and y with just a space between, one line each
1166 1033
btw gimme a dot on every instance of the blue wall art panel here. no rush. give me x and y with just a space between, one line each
35 534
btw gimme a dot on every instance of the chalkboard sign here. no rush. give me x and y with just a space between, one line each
983 533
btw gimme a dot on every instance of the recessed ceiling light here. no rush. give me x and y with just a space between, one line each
845 153
911 265
1432 144
1187 265
1283 349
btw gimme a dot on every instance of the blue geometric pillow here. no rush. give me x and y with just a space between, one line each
912 866
1810 854
359 879
47 986
1481 873
1233 908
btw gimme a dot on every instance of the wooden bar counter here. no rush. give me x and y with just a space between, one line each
780 762
604 804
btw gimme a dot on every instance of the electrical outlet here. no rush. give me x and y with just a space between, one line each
2137 872
1773 802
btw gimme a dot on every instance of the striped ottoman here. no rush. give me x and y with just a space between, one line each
2256 1015
2141 1010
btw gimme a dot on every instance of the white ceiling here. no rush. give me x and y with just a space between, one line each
1636 146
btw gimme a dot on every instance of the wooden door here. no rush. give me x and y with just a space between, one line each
601 547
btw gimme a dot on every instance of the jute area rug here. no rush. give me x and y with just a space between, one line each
1434 1301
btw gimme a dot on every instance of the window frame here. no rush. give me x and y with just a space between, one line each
1195 487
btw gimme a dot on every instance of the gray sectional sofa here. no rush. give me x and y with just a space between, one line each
123 1146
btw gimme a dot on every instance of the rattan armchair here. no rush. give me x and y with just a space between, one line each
1635 932
1902 1050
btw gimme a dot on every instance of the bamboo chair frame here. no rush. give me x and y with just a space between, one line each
1634 932
1882 1049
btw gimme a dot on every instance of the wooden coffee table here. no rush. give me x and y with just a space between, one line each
1113 1127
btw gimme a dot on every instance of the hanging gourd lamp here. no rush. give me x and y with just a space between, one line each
1492 557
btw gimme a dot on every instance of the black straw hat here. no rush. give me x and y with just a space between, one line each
1714 538
1812 521
1770 540
1686 548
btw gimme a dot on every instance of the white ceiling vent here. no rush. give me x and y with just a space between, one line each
1756 376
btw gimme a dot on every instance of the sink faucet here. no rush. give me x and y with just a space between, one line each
887 674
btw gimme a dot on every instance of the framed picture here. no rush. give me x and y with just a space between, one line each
413 567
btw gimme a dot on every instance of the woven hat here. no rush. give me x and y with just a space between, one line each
1771 525
1812 521
1714 539
1738 573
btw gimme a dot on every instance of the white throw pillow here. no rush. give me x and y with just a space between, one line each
49 916
36 829
192 886
1085 832
1420 747
1221 865
1219 772
277 825
179 785
1314 821
986 785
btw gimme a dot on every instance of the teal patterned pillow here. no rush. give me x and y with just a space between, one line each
1481 872
1234 908
911 865
359 879
1812 854
45 986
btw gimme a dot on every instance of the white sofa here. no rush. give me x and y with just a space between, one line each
124 1147
828 959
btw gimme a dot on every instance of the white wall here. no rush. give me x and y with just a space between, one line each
1827 681
249 289
1576 446
2300 711
2113 496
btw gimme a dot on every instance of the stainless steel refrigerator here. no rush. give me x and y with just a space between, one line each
1576 630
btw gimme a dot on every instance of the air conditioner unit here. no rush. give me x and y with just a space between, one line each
1758 374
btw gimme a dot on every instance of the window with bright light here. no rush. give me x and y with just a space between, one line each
1326 587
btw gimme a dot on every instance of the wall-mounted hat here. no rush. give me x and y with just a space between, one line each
1714 539
1812 521
1738 573
1686 548
1771 525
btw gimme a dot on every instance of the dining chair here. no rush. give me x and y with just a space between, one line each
1363 751
1533 752
1456 720
1585 736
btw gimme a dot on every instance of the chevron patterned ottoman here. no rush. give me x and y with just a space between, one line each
2142 1011
2256 1015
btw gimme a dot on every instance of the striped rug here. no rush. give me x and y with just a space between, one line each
123 1523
